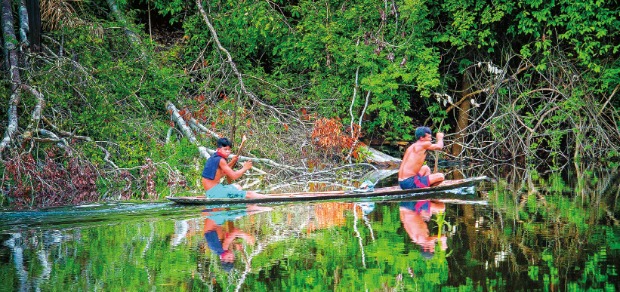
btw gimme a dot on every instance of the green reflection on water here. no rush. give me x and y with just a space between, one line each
537 233
563 231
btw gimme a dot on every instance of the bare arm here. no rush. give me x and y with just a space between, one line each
231 174
231 164
236 233
439 144
233 161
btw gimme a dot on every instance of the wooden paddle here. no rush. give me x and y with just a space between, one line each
438 152
236 158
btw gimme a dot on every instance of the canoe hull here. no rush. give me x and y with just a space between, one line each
441 191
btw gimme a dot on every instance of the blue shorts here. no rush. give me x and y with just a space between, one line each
414 182
221 217
220 191
417 206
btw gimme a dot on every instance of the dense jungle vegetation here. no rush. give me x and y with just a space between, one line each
120 99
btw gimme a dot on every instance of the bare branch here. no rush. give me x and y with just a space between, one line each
608 99
65 133
133 37
195 124
233 65
38 109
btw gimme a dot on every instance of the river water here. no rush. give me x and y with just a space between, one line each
522 232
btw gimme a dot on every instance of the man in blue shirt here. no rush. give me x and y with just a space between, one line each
216 167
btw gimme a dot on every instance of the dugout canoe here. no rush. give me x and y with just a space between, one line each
446 190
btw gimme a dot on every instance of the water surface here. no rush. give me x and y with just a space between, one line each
521 233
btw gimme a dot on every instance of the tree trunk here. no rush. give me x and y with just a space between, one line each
34 24
10 49
134 39
176 117
24 25
10 44
463 117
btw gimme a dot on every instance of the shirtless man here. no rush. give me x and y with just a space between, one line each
415 216
216 167
219 240
412 173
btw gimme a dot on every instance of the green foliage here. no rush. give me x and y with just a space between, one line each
324 47
565 242
584 29
109 94
474 24
171 8
398 54
309 55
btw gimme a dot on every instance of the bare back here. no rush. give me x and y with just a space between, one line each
413 160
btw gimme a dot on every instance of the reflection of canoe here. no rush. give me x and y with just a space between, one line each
447 189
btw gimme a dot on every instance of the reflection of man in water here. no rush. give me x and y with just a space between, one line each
218 240
414 216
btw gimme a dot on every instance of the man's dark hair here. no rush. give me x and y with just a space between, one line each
421 132
227 266
427 255
223 142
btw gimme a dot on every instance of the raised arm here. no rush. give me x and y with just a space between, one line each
439 144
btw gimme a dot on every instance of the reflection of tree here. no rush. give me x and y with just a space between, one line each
548 229
341 254
328 215
18 247
132 255
283 234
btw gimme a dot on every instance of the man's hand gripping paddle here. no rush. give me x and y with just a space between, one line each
234 160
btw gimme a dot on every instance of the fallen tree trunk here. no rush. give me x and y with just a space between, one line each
286 176
376 157
380 158
206 152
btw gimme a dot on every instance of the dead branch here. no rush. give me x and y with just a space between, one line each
59 57
353 134
24 28
106 158
134 39
49 136
278 113
38 109
205 152
608 100
11 128
487 89
180 122
195 124
512 124
65 133
185 129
